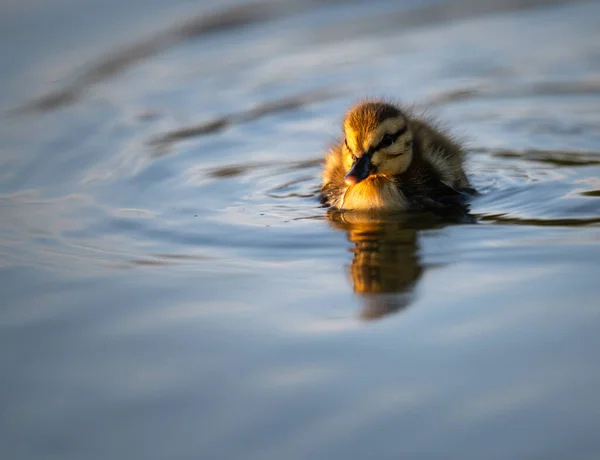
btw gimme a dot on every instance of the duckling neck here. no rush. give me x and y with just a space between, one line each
378 192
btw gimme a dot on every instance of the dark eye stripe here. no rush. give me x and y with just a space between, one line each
347 146
395 136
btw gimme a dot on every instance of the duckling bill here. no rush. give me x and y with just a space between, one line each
390 160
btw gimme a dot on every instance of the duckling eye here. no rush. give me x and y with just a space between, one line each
347 146
386 141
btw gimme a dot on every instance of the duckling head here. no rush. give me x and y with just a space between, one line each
378 141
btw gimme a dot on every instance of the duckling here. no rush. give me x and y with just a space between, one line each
391 160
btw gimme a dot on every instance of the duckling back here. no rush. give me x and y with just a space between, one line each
440 152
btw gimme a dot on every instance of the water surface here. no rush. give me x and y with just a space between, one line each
172 287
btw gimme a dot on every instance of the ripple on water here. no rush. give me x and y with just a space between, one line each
170 282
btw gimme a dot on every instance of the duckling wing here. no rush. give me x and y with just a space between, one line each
448 195
434 192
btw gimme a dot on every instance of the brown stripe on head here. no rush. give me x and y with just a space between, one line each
363 119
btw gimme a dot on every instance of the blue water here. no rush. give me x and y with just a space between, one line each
172 288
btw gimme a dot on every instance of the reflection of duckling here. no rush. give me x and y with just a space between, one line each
385 266
391 160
